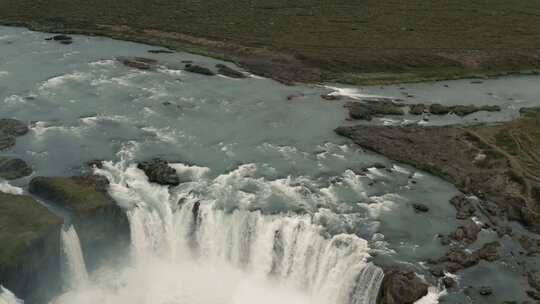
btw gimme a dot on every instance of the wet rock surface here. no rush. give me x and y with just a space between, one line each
158 171
401 287
229 72
139 63
9 130
367 109
197 69
13 168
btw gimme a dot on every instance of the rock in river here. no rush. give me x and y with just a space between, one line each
159 171
197 69
401 287
9 129
13 168
229 72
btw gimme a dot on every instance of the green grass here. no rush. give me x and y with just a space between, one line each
368 41
22 221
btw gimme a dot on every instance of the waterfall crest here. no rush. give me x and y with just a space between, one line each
74 273
7 297
289 249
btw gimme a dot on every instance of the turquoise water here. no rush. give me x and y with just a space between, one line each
241 144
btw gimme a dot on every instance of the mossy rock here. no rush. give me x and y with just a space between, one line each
78 194
23 221
13 168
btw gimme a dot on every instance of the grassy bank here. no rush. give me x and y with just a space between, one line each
367 41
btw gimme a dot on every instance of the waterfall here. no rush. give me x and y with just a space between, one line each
289 250
7 297
74 272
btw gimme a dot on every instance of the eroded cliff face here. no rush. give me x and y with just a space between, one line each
30 250
101 224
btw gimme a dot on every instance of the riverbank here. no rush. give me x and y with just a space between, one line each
364 43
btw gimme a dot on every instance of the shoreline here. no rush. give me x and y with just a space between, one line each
280 66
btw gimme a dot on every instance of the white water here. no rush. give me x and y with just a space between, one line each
214 256
7 297
75 274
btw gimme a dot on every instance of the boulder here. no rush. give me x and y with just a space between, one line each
466 233
418 109
13 127
229 72
420 208
160 51
464 206
158 171
401 287
488 252
461 110
490 108
485 291
360 112
140 63
449 282
61 38
13 168
9 130
193 68
439 109
330 97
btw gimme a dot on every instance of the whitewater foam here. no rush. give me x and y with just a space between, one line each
7 297
5 187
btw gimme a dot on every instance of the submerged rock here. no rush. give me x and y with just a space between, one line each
13 168
229 72
159 172
61 37
193 68
9 130
401 287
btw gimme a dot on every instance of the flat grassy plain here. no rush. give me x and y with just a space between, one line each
358 41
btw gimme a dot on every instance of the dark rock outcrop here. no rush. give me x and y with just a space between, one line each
158 171
457 258
401 287
229 72
60 37
466 233
330 97
9 130
197 69
420 208
160 51
418 109
13 168
368 109
139 63
30 249
464 206
438 109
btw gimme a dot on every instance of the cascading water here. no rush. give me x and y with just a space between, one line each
75 273
7 297
187 249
